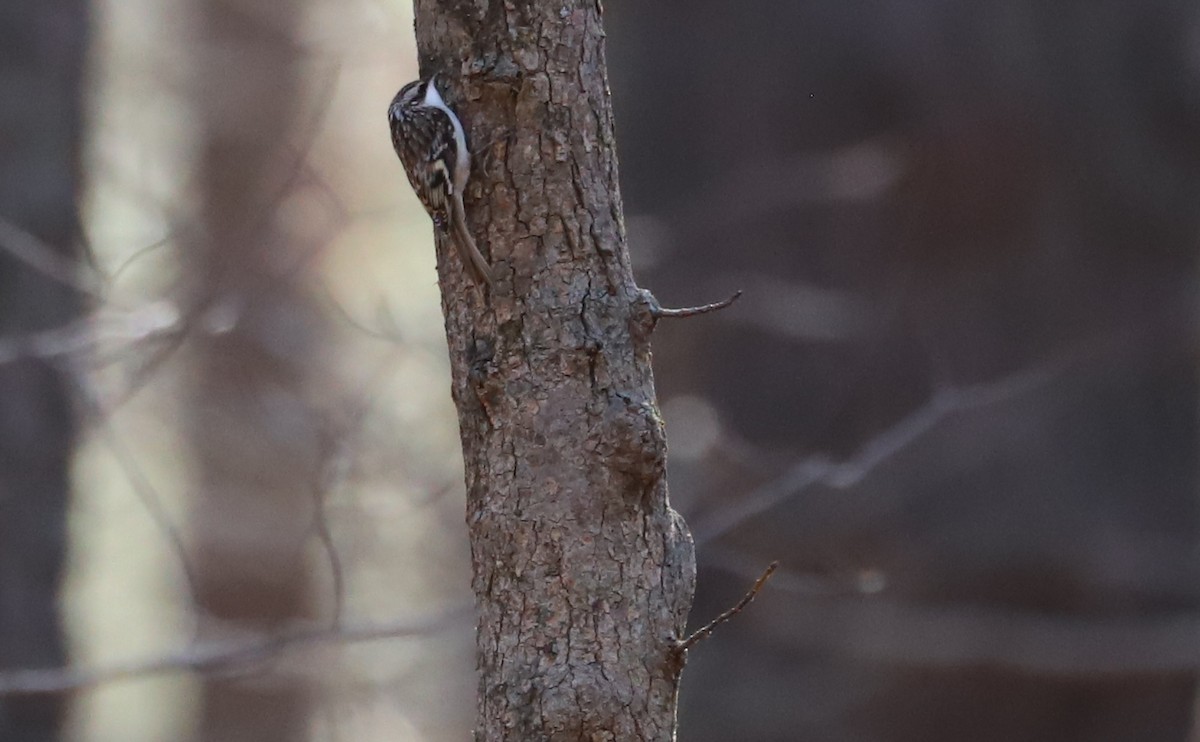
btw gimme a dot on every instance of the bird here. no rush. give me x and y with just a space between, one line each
429 140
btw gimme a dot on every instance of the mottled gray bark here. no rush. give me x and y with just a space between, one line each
250 420
42 49
582 572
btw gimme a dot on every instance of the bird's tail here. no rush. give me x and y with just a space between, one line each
472 259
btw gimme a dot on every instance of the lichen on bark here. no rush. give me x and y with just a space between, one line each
582 572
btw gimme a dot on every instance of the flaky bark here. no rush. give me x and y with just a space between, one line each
582 572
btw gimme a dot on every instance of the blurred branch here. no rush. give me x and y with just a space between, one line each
337 447
44 259
146 493
225 656
1023 642
817 470
142 252
389 330
73 338
335 461
152 321
808 582
296 171
893 631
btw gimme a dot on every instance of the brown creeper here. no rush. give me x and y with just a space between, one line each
430 143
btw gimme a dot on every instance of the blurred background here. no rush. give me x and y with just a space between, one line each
957 401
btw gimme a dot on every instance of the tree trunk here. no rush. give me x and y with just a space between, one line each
251 425
582 572
42 51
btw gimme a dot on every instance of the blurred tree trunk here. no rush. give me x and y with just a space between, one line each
254 433
582 572
42 50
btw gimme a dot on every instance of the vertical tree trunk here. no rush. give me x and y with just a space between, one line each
251 424
582 572
42 50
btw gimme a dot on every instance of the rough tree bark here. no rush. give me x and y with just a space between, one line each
252 428
583 574
42 51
